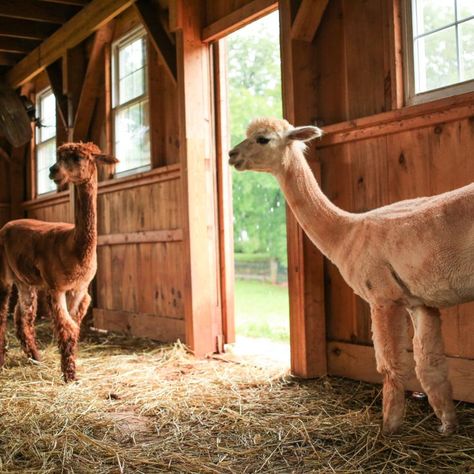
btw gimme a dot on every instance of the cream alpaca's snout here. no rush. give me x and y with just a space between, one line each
235 159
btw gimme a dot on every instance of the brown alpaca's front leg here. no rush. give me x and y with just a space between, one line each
4 298
25 315
78 304
431 366
67 332
391 343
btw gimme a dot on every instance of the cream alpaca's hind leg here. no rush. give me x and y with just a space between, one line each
431 366
25 315
391 343
67 332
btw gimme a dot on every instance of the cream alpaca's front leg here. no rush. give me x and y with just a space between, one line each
431 366
67 332
391 343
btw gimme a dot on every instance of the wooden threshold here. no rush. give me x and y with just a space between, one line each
357 362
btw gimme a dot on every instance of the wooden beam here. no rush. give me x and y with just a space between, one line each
176 15
308 18
143 237
55 76
33 10
25 29
150 17
78 3
76 30
17 45
93 81
237 19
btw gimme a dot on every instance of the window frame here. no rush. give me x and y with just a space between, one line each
39 97
411 97
129 37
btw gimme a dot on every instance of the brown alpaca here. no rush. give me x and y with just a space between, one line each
412 257
58 258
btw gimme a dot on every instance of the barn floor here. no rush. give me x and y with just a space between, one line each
142 407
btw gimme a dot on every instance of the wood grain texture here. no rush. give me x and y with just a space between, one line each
308 18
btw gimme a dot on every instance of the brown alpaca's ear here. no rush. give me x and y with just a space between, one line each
106 159
304 134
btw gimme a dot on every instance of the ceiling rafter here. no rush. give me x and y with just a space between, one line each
36 11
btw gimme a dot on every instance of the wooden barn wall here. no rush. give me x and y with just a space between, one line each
4 192
373 154
139 284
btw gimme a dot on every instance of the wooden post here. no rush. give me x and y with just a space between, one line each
305 262
201 301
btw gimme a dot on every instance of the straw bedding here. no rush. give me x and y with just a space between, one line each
142 407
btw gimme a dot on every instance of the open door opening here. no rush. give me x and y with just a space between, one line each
257 285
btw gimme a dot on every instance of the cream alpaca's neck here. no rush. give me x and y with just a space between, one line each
323 222
85 205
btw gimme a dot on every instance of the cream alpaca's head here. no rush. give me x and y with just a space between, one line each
76 163
267 145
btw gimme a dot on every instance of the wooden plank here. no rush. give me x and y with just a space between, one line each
224 196
25 29
305 263
148 325
407 118
175 15
77 29
171 235
201 298
308 18
55 76
150 17
33 10
358 362
78 3
17 45
240 17
92 83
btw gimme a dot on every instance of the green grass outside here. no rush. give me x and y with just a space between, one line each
262 310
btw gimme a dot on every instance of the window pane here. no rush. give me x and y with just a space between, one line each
45 157
132 140
132 86
436 60
131 57
465 9
466 39
432 14
47 117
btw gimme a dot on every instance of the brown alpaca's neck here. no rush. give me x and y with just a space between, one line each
323 222
85 207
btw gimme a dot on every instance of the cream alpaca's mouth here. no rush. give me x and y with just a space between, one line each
238 164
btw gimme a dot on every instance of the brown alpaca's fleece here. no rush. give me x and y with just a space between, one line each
405 259
59 258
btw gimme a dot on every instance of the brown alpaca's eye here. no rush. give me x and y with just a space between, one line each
262 140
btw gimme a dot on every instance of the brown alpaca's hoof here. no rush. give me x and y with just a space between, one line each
392 428
448 429
69 377
2 360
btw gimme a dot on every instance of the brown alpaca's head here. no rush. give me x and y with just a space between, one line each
76 163
267 144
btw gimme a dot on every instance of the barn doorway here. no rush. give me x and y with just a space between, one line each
252 82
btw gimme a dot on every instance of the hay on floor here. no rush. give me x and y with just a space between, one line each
142 407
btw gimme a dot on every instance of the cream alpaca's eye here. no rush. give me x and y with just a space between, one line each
262 140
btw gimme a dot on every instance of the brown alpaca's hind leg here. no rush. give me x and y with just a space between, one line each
25 315
78 304
4 298
391 343
431 366
67 332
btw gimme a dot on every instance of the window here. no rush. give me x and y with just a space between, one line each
45 141
130 103
440 47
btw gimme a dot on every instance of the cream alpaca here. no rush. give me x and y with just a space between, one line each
412 257
56 257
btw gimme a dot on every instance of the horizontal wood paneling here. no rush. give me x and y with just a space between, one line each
358 362
362 175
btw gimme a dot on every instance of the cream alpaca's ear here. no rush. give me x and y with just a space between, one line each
106 159
304 134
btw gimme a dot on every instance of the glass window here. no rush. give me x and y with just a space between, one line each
45 141
442 44
131 121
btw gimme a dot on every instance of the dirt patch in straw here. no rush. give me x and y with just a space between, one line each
142 407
